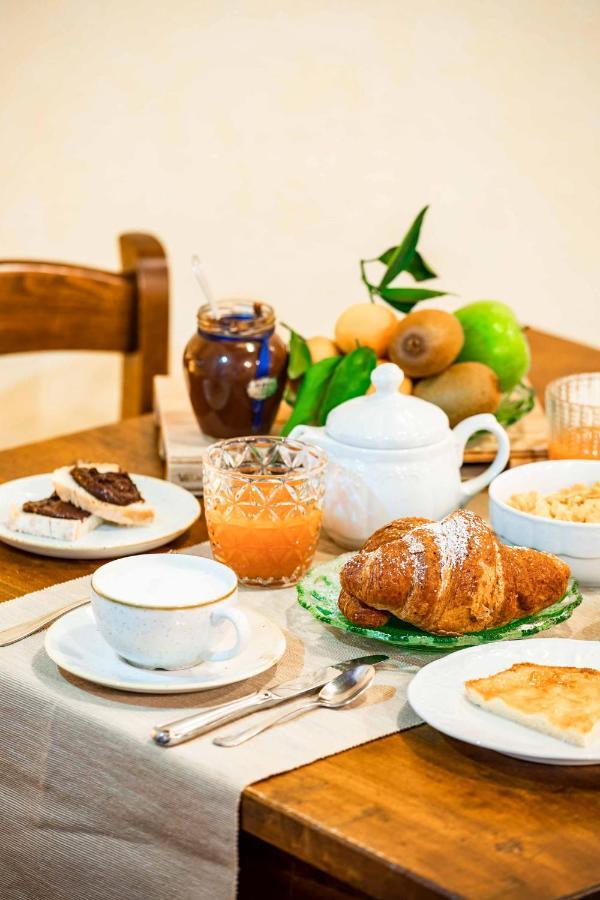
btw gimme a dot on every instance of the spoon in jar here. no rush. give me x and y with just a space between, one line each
200 276
336 693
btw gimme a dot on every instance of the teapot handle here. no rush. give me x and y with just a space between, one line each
463 431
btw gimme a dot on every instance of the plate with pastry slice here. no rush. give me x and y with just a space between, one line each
440 586
536 700
93 511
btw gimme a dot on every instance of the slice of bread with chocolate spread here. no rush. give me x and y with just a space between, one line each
104 490
51 517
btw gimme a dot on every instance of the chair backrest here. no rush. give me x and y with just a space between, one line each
54 306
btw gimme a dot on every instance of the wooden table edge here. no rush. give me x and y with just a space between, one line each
329 851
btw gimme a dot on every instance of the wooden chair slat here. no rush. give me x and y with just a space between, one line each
56 306
45 307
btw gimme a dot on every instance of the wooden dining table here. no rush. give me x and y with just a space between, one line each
412 815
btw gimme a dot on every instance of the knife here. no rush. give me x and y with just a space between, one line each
199 723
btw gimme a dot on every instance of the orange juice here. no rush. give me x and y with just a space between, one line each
268 549
573 410
576 443
263 497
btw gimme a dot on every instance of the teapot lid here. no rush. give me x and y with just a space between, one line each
387 419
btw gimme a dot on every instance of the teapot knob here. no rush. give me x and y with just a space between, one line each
386 379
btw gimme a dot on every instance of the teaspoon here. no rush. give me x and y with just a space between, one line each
336 693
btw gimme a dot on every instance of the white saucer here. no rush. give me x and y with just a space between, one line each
437 694
75 644
176 510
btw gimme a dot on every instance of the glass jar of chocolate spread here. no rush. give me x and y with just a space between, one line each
235 367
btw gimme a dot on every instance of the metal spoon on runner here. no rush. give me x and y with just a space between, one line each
339 692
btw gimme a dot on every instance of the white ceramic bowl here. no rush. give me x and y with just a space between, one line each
577 543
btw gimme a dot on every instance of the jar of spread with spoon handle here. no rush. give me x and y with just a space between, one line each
235 367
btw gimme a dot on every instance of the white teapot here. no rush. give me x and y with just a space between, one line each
393 455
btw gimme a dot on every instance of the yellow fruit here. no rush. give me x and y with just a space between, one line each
365 325
406 387
322 348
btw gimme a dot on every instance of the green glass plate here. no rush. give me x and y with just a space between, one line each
319 590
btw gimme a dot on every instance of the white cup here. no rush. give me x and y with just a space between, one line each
161 611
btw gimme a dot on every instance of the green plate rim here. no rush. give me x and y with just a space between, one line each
517 629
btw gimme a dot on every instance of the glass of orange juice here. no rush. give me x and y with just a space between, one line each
263 498
573 410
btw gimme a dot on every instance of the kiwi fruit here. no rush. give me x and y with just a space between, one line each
426 342
463 390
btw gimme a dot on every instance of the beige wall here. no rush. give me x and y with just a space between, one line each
284 140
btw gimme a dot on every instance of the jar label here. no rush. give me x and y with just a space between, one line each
261 388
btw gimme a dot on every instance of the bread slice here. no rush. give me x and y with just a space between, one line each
562 701
49 526
138 513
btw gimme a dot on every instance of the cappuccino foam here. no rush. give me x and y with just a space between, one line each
161 581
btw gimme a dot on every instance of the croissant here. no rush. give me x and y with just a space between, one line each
448 577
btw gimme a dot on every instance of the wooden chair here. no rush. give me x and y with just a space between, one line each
53 306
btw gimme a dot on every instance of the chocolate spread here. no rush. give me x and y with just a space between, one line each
236 367
55 508
110 487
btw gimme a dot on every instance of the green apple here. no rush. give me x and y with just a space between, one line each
494 337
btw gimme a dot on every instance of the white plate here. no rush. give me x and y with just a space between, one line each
176 510
75 644
437 694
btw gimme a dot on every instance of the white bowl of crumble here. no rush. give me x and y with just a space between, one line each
552 506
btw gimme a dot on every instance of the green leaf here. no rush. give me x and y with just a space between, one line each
351 378
299 358
419 269
403 299
402 255
409 293
385 258
290 393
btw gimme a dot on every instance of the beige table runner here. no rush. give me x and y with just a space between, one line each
91 809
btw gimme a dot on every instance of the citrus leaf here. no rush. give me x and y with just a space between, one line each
402 255
404 299
409 293
299 358
385 258
419 269
290 393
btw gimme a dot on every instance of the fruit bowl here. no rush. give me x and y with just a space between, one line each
319 590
